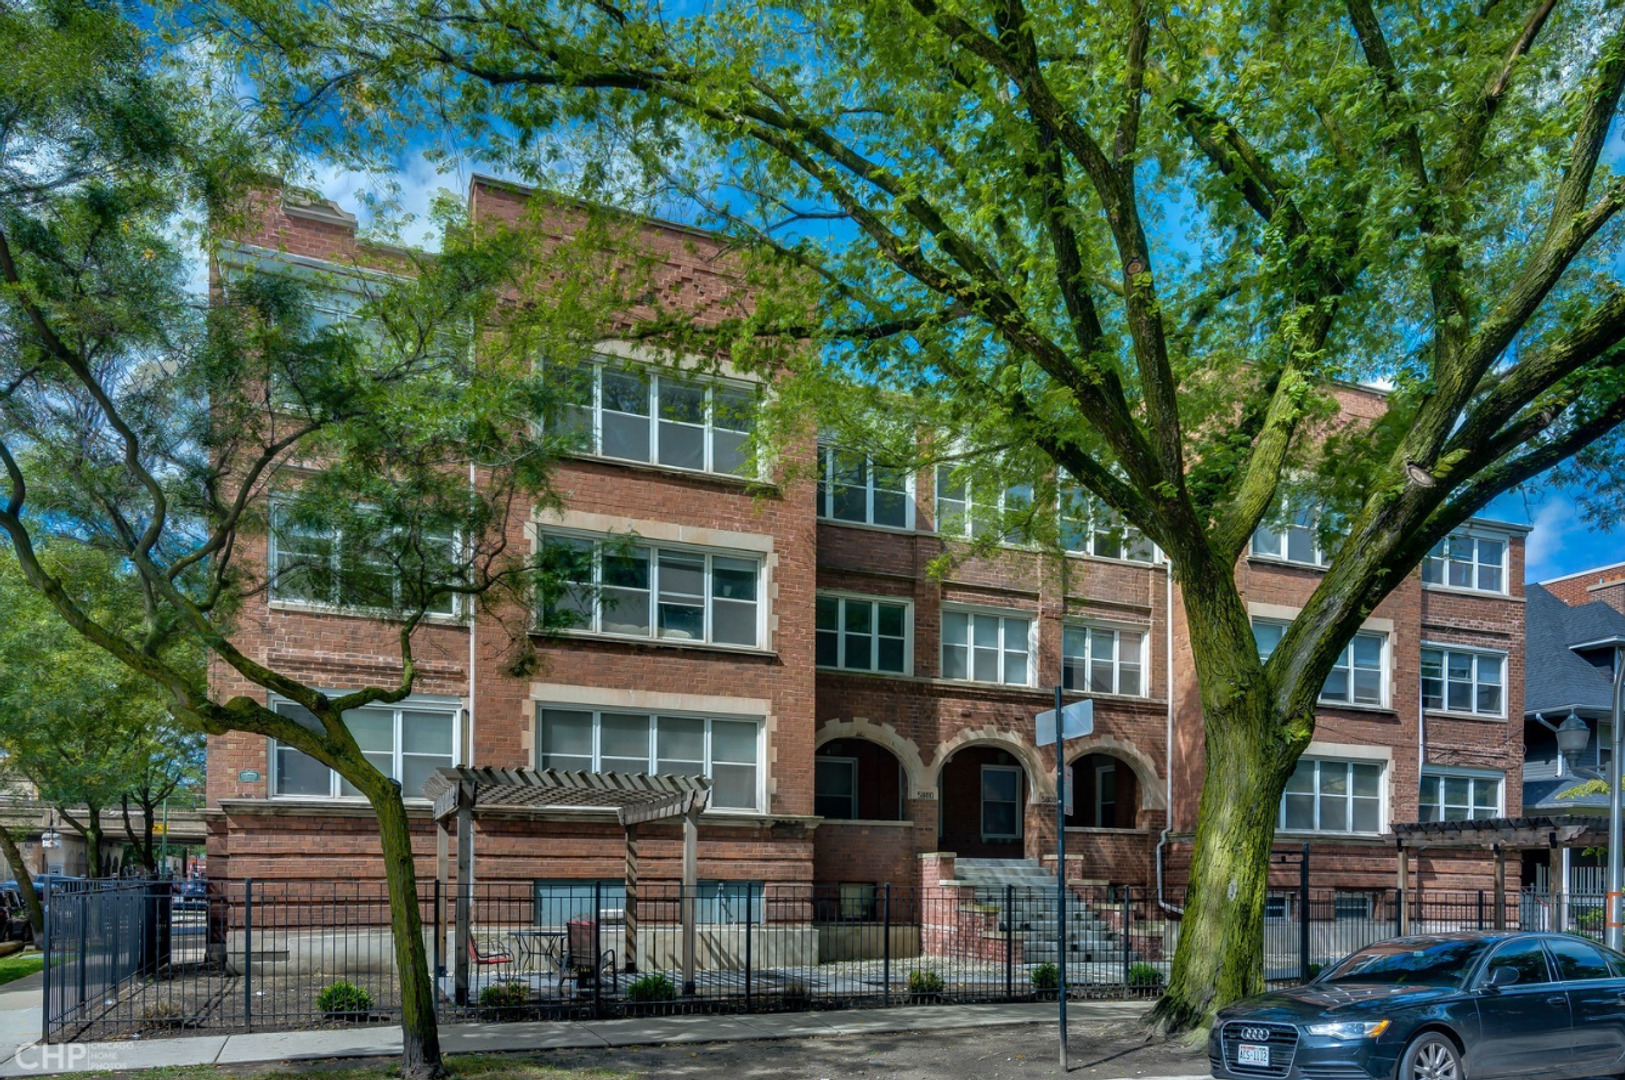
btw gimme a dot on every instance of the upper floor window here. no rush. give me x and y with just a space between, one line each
664 419
1324 795
853 487
1088 526
1295 538
978 509
591 740
335 567
1359 676
985 647
406 742
1102 660
862 635
1448 795
1466 561
640 590
1463 681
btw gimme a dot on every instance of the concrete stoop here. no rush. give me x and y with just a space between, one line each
1034 914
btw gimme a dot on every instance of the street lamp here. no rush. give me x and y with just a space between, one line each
1573 735
1612 649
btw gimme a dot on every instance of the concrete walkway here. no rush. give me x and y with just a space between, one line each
29 1059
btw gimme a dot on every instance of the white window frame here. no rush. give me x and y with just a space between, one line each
1089 628
1318 760
1099 521
1101 771
981 805
654 716
1441 773
851 764
599 363
336 570
1306 518
1445 558
976 510
826 486
335 783
654 549
1347 656
845 598
1444 650
1004 615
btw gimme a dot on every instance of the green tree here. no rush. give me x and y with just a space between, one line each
1141 240
146 422
167 762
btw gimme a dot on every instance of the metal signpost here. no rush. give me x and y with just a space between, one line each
1073 721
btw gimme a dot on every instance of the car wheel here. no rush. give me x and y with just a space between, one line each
1431 1056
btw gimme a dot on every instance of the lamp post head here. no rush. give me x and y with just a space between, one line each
1572 736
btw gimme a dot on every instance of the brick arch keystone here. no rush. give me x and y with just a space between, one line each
1040 778
899 745
1152 796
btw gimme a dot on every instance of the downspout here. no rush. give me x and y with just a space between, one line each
468 710
1168 759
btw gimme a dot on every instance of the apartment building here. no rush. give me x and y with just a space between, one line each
857 713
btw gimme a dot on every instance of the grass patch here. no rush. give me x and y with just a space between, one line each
19 965
459 1066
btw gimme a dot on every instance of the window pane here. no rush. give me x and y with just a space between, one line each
1266 541
623 743
733 741
680 745
1577 960
426 733
851 486
1003 785
1367 816
304 564
951 501
1300 545
729 453
890 497
733 604
828 634
297 773
625 415
1268 636
891 620
682 446
373 730
734 786
1300 812
682 596
566 739
625 593
567 563
891 655
1128 679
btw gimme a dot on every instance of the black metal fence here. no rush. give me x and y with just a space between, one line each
137 960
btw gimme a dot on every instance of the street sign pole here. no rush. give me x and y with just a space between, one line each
1060 868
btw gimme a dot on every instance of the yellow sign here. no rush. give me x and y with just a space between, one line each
160 829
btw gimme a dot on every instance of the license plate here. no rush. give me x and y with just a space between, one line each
1253 1055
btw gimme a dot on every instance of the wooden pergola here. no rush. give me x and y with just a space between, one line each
1500 835
636 798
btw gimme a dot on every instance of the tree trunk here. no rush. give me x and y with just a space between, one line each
93 842
1249 753
420 1049
25 882
143 852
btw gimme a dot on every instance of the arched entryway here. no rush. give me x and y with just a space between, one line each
982 794
1105 793
858 780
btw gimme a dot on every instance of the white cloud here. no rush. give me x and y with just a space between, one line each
1555 524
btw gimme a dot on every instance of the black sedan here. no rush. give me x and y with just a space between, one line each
1446 1007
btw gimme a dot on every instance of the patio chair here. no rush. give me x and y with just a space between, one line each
489 955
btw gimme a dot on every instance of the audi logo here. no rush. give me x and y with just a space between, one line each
1255 1034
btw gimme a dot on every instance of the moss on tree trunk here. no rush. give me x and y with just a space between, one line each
420 1049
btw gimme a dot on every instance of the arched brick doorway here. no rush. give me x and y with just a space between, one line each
1105 793
982 793
858 780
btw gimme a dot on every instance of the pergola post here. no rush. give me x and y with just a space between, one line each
1404 891
691 845
1500 887
629 917
465 889
442 876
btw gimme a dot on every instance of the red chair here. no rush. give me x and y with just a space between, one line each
493 955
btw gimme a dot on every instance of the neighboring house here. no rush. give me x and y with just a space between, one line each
854 711
1566 611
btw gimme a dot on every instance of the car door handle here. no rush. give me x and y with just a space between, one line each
1559 999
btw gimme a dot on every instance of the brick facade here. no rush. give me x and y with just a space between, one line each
921 742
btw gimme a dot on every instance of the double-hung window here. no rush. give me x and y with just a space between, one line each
861 634
1358 677
976 509
985 647
354 568
1088 526
629 589
835 788
1293 538
854 487
636 414
406 742
1467 561
1330 796
1459 795
1102 660
727 750
1463 681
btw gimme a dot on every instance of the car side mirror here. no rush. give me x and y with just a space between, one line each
1502 976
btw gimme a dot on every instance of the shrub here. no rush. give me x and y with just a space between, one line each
796 995
1046 977
653 987
924 982
163 1012
505 995
343 999
1144 975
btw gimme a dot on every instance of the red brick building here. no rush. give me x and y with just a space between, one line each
854 711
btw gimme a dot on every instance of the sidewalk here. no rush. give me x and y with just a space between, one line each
24 1058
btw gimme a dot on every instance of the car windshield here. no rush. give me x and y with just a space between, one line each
1418 961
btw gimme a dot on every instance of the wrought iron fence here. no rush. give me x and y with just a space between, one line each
137 960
